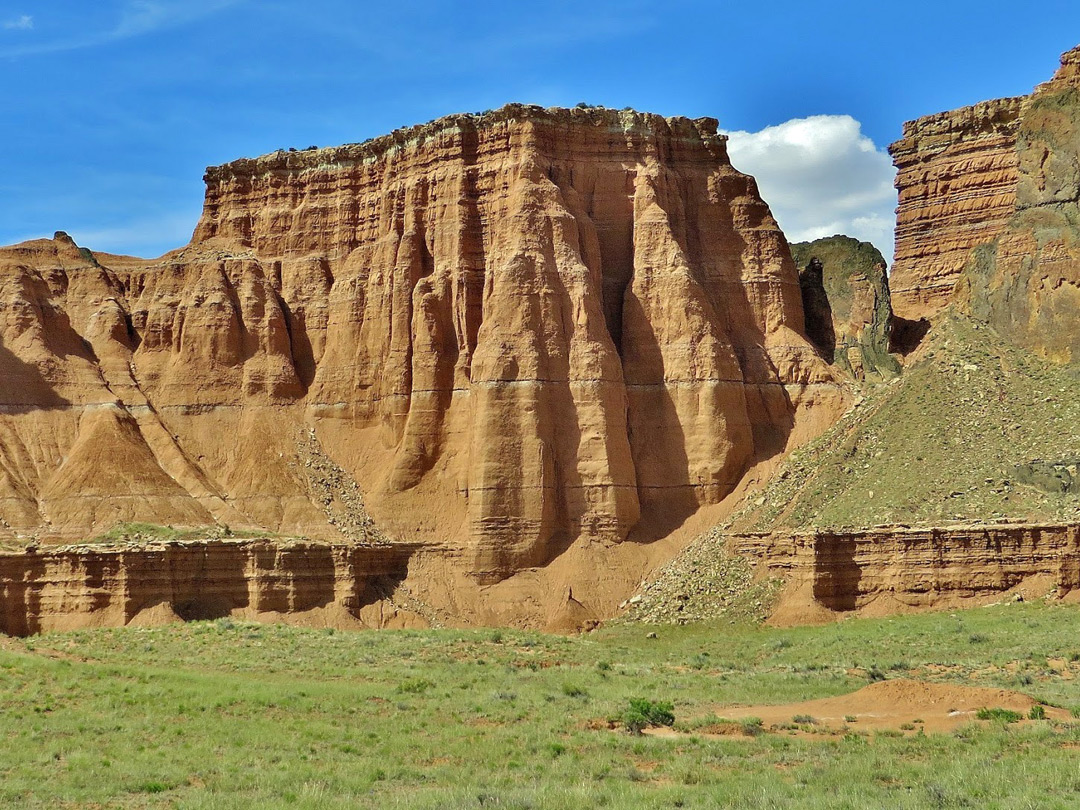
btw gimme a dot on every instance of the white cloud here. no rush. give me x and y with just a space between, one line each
150 236
135 18
821 176
23 22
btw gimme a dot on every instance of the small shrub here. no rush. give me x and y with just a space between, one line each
997 713
574 691
643 713
1037 713
850 718
803 720
752 726
415 686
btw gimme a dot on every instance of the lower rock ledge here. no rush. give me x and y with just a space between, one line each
889 569
340 585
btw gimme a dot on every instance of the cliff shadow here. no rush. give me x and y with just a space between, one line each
21 582
25 382
206 583
837 573
655 433
303 354
906 335
817 310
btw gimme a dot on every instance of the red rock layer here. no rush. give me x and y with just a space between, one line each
956 178
913 568
80 587
514 331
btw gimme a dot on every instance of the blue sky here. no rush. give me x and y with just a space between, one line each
113 108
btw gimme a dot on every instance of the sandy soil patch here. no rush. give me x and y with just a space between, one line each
901 704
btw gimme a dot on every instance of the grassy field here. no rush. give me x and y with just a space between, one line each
223 714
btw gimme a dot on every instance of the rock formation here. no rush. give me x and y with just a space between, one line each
899 569
1026 283
956 176
67 588
510 332
847 303
993 188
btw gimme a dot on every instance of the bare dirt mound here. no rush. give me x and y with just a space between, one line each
899 704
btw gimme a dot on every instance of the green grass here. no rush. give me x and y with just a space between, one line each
226 714
155 533
999 714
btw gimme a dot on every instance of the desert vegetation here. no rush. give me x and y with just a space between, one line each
228 714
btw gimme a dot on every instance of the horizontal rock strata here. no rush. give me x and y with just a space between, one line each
956 178
849 570
67 588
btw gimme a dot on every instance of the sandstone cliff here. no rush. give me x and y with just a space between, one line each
956 175
324 584
888 570
999 177
506 334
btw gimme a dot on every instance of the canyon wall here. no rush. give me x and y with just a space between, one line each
956 175
331 584
826 574
504 334
987 215
1026 283
898 568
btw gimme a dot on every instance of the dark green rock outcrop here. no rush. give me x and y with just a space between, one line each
847 306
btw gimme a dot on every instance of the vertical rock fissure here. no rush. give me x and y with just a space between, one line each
473 255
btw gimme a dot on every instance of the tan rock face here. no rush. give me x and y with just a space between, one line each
891 570
514 331
315 583
956 178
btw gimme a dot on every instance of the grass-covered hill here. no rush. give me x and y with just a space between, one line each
976 428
